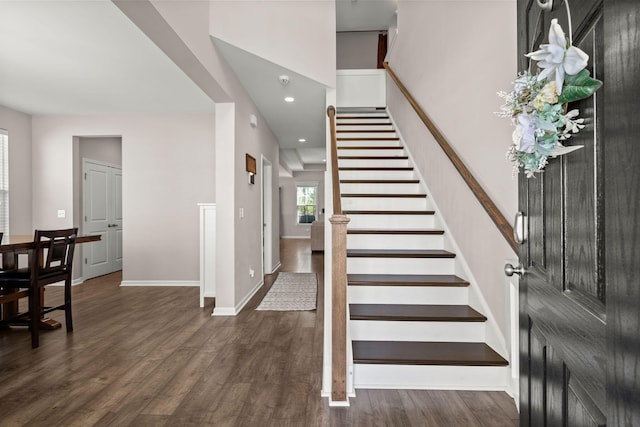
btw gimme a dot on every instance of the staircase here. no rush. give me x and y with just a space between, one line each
410 322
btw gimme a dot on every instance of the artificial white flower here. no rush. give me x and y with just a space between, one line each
571 125
548 95
558 56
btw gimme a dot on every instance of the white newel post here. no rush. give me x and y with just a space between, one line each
207 251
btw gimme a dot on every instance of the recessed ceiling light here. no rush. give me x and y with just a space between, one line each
302 140
289 99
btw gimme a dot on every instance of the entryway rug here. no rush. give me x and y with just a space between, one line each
291 292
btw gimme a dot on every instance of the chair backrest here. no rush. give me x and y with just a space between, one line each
53 250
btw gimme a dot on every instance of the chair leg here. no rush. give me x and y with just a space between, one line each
68 320
34 316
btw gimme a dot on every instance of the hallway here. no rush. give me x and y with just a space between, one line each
149 356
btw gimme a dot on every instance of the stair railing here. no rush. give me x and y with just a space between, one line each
489 206
338 277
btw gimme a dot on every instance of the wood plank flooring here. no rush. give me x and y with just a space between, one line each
142 356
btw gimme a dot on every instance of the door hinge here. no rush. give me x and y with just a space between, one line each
85 261
85 176
85 218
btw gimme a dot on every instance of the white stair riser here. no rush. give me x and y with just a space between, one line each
400 265
382 162
378 330
380 152
391 221
365 133
395 241
385 203
376 174
408 295
431 377
365 188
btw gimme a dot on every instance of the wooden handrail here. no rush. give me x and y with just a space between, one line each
489 206
338 277
337 205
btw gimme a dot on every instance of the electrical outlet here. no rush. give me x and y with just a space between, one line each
241 212
251 272
61 213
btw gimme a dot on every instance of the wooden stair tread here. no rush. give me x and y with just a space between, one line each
399 253
370 147
364 124
370 212
448 280
363 117
362 168
373 157
426 353
379 181
415 313
374 138
383 195
428 231
367 131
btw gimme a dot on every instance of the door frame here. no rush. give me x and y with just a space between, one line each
266 214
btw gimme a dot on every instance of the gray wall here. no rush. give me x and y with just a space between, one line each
357 51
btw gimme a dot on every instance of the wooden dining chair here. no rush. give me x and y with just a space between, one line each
50 261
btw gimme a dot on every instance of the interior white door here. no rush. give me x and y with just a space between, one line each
102 210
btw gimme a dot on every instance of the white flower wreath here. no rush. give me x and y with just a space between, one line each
537 103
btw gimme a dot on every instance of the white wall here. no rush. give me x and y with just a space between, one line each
19 127
241 237
168 164
453 57
288 208
357 50
298 35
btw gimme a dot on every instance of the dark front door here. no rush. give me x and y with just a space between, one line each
580 295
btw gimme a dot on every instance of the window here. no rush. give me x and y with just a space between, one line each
307 202
4 181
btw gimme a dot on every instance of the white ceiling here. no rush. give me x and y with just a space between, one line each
87 57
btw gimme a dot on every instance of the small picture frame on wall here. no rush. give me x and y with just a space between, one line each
251 168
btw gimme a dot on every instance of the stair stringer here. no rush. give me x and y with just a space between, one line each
493 335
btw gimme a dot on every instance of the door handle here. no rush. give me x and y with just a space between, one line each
510 270
520 227
112 225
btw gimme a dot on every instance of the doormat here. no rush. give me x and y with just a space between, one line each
291 292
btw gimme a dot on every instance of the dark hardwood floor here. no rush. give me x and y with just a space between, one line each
142 356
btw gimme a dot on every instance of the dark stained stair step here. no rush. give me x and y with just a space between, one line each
364 124
370 147
448 280
359 212
373 157
415 313
375 169
410 231
379 181
383 195
399 253
363 117
426 353
393 138
369 131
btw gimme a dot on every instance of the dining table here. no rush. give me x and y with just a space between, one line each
11 246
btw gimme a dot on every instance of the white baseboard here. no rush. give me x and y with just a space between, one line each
295 237
233 311
278 265
160 283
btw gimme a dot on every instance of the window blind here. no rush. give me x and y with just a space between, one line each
4 181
